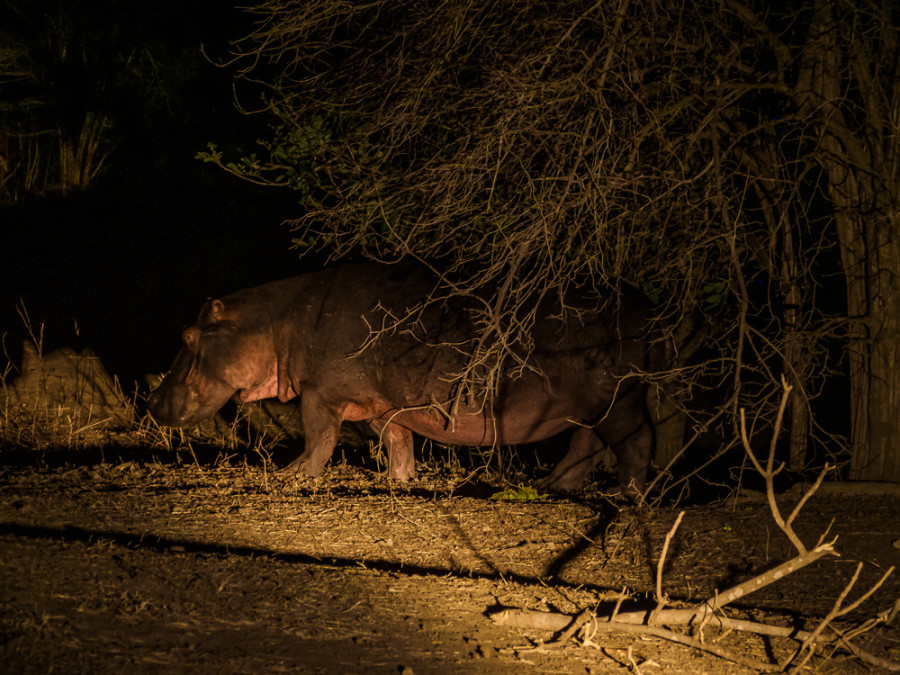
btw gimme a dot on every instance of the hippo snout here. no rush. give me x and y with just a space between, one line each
173 406
180 403
161 409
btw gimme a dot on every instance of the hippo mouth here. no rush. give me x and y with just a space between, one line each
173 408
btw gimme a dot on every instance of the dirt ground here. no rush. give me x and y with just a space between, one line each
222 567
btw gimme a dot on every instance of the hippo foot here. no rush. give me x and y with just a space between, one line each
575 481
403 474
561 483
629 494
303 467
567 477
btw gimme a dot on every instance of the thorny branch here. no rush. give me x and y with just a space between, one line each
523 150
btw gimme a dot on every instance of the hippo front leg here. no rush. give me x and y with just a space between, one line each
633 453
585 452
321 428
625 430
399 445
628 433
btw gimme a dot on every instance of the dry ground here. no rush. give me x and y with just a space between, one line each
144 566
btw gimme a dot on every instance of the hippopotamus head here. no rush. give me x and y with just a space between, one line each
221 356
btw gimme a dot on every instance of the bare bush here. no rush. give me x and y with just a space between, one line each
521 150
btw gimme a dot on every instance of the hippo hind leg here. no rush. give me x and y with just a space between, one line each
398 442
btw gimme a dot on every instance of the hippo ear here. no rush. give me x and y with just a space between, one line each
217 310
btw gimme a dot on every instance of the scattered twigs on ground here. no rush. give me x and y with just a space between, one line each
806 650
776 573
646 622
659 621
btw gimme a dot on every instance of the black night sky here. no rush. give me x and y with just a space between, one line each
121 267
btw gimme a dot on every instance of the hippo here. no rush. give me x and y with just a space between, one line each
344 342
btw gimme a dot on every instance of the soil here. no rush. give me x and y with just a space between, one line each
147 566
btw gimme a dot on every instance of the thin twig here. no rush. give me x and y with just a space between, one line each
660 598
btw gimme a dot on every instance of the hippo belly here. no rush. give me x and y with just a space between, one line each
480 430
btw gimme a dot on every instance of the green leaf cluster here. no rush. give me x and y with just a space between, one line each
521 493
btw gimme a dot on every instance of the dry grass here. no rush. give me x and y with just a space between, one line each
66 399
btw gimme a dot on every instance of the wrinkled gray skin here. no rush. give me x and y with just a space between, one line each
301 338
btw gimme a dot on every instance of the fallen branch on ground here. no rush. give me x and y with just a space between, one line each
651 622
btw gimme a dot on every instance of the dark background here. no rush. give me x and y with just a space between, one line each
123 266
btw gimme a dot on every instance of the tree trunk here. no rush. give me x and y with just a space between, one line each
880 458
859 154
858 343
